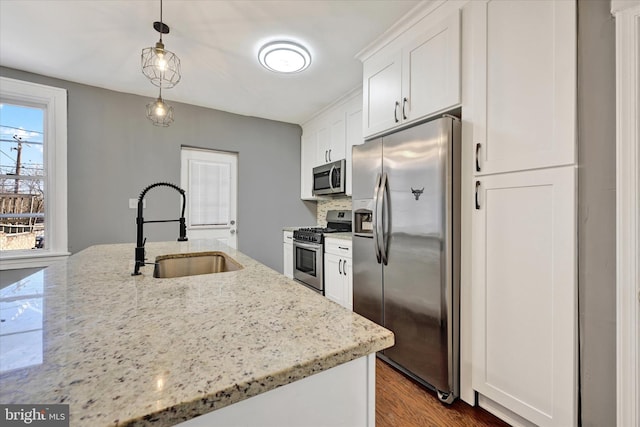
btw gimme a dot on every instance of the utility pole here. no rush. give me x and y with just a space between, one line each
19 150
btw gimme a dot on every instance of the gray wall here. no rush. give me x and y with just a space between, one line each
596 212
114 152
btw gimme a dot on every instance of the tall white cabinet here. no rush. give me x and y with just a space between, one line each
511 68
524 286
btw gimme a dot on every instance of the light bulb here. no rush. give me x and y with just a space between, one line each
162 63
160 111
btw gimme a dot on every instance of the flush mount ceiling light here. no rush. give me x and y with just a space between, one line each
284 57
159 112
159 65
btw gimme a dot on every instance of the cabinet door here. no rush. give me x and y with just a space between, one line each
323 137
288 254
353 125
338 135
524 84
382 89
348 283
431 70
524 294
333 279
308 150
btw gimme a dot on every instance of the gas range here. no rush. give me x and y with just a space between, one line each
337 222
314 234
308 246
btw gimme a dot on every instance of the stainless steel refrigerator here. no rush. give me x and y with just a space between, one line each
406 247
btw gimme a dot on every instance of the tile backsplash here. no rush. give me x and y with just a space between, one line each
335 203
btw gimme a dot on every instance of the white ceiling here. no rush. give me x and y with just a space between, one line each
99 42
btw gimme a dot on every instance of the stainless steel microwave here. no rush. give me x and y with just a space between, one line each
329 178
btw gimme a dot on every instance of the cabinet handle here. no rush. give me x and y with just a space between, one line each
395 112
344 267
404 103
343 248
325 156
477 202
340 267
477 157
329 154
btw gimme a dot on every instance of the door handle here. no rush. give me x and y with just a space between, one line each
344 267
340 267
477 158
477 202
404 103
376 240
384 190
395 112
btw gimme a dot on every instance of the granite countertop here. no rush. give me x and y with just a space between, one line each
125 350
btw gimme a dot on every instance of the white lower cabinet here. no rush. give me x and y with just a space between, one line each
524 293
288 253
338 274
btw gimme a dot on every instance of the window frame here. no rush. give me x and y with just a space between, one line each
54 101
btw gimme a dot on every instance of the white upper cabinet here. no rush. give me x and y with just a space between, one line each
382 90
524 84
431 70
331 137
416 76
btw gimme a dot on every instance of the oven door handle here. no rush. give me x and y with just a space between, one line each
311 246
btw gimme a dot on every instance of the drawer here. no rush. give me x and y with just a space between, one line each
340 247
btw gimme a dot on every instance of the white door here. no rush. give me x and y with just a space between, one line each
210 179
524 82
431 70
524 294
382 76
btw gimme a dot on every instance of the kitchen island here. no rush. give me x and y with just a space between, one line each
137 350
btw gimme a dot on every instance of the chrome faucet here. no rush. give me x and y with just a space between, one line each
141 240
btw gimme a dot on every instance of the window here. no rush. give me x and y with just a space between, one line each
33 174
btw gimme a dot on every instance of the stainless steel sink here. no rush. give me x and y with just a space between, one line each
192 264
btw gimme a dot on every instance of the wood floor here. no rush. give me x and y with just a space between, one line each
401 402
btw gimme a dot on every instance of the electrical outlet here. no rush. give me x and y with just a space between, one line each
133 203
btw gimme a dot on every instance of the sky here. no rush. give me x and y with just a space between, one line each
26 123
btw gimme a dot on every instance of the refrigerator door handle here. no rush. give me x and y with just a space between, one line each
377 226
384 222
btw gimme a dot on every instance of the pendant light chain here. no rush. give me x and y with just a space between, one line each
162 68
161 21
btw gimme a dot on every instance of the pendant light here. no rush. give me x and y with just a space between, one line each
160 66
159 112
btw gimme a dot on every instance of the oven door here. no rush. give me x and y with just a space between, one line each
308 264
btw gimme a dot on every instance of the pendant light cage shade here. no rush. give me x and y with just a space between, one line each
160 113
160 66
